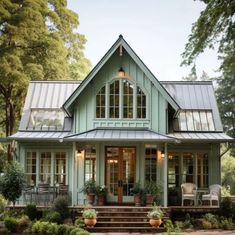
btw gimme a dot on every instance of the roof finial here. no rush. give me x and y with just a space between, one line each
120 36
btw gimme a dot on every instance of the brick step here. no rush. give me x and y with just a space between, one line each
122 224
125 218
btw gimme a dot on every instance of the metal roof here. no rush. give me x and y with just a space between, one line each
39 135
202 136
197 95
119 135
46 95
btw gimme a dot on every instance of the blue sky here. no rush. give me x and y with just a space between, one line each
157 30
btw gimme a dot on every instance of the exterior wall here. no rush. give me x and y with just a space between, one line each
85 107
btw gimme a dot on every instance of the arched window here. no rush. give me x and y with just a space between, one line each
127 100
100 103
141 103
114 99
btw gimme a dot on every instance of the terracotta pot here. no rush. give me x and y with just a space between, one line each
90 198
90 222
149 199
155 222
101 200
137 200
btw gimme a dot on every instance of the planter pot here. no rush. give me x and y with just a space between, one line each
90 222
101 200
155 222
149 199
91 198
137 200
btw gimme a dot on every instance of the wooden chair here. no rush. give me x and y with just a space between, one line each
214 194
189 192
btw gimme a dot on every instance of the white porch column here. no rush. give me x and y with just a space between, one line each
165 167
74 177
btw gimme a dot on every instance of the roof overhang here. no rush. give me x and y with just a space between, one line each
117 134
193 137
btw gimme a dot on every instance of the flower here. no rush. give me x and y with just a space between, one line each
101 190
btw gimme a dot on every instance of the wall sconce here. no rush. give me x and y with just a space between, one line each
79 154
162 153
121 72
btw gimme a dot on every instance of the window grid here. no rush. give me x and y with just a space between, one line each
100 103
114 100
151 163
127 100
45 167
90 164
141 103
31 164
60 168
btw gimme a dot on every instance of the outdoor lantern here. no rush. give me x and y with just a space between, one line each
162 154
121 72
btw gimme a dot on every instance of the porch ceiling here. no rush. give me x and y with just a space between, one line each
131 134
202 136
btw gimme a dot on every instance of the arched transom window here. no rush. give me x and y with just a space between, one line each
123 99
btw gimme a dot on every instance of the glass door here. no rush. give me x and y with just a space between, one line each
120 173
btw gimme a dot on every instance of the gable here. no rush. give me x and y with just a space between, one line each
120 43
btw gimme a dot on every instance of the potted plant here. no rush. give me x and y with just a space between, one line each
137 191
101 194
152 190
89 189
155 216
89 216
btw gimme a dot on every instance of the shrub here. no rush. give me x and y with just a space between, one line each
198 223
206 224
89 213
3 203
212 219
227 208
61 205
11 224
23 222
44 227
63 229
168 225
79 222
226 224
53 217
75 230
31 211
84 232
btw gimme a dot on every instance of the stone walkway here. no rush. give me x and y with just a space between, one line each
198 232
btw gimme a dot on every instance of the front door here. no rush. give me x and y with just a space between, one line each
120 173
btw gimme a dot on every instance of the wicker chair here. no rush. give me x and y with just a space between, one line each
189 192
214 194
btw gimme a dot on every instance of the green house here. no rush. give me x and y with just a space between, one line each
119 126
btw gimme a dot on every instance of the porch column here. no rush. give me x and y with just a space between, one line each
73 176
165 167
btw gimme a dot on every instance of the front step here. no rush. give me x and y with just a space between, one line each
124 219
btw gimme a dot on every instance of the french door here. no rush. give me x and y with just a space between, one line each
120 173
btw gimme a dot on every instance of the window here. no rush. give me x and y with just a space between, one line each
100 103
127 100
202 170
121 97
141 103
46 119
114 99
151 163
195 121
173 171
187 173
90 164
31 162
60 168
45 167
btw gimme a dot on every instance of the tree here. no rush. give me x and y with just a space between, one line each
216 28
37 42
12 182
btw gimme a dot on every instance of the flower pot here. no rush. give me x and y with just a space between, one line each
149 199
90 222
137 200
101 200
155 222
90 198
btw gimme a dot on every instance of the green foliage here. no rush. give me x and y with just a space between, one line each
11 224
89 213
89 187
61 205
168 225
152 188
44 227
210 218
226 224
31 211
3 203
215 26
13 181
75 231
79 222
53 216
23 222
137 189
228 176
155 213
64 229
227 208
38 41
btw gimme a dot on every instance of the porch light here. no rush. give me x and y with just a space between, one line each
121 72
162 154
79 154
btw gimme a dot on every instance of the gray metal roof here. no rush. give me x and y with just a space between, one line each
46 95
195 95
119 135
39 135
205 137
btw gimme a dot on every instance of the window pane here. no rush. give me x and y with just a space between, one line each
31 168
202 170
187 174
45 167
100 103
141 103
114 100
127 100
151 163
60 168
90 164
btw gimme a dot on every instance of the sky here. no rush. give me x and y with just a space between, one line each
157 30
